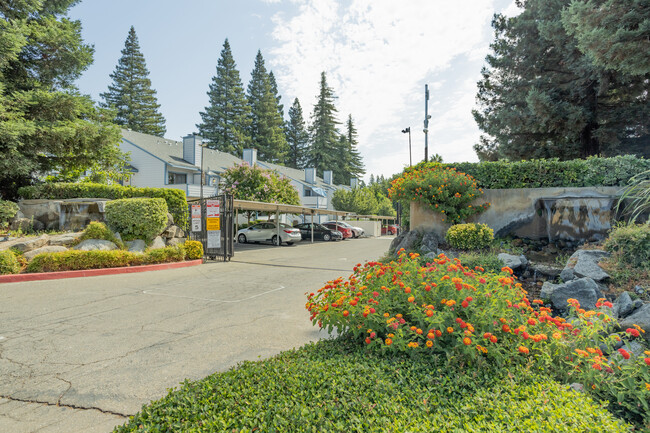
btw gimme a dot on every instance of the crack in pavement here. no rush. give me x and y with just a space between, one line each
67 406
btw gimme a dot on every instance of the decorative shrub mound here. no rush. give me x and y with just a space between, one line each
630 244
443 189
137 218
193 250
467 316
175 198
8 210
8 263
97 230
469 236
327 387
73 260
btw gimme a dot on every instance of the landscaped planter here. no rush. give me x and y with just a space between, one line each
575 214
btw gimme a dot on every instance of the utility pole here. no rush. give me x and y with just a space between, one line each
426 122
409 131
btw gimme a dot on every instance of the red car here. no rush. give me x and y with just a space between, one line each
390 229
346 232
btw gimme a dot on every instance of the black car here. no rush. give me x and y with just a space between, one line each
320 232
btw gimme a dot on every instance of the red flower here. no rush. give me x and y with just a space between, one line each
493 339
346 313
647 361
465 304
367 340
597 366
624 353
633 332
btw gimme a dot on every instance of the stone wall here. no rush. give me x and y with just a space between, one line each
535 213
69 214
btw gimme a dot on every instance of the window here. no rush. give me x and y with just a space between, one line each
176 178
308 192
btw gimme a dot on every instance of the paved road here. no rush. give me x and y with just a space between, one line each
81 355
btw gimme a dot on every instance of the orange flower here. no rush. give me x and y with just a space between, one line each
411 299
429 343
524 350
388 342
418 331
450 330
467 341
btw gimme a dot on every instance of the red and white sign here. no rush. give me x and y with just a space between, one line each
212 208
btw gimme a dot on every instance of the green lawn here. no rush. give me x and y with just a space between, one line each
331 386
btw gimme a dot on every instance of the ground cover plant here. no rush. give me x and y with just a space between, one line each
98 230
467 316
336 386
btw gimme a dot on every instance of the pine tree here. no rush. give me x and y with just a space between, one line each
131 94
542 97
372 179
323 133
276 94
45 124
297 137
353 160
226 119
267 126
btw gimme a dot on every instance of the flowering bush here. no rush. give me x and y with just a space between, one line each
443 189
193 250
471 317
469 236
254 183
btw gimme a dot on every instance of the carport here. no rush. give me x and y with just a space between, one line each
278 208
381 218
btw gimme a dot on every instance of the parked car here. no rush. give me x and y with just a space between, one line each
356 231
268 231
333 225
320 232
390 229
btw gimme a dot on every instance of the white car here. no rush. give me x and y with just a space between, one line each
268 231
357 232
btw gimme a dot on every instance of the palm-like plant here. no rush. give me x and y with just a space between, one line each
637 196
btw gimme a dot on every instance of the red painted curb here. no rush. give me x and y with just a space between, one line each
16 278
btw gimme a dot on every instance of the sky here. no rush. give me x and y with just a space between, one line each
377 55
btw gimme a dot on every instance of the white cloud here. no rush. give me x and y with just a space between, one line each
378 54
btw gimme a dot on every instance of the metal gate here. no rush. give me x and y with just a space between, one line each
211 223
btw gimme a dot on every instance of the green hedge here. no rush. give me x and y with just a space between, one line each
137 218
8 210
175 198
8 263
73 260
543 173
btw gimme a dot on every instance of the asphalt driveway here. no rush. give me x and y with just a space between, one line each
81 355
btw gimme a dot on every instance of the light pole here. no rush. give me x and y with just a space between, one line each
405 130
426 122
201 170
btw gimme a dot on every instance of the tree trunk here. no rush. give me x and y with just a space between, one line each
589 145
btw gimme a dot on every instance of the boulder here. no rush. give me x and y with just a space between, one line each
157 243
623 305
176 241
65 239
30 244
26 225
584 264
585 290
172 232
512 261
170 219
547 271
406 240
547 290
136 246
95 245
639 317
46 249
430 242
118 236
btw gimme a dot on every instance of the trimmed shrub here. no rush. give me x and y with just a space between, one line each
8 210
97 230
8 263
630 244
165 255
543 173
193 250
470 236
73 260
137 218
175 198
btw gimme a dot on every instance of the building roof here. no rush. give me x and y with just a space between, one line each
298 175
171 152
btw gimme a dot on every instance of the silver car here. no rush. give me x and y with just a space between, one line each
268 231
357 232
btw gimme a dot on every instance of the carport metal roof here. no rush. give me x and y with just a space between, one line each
373 217
283 208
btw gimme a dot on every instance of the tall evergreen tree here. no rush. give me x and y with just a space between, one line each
226 119
323 133
45 124
542 97
353 164
266 126
276 94
131 94
297 137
